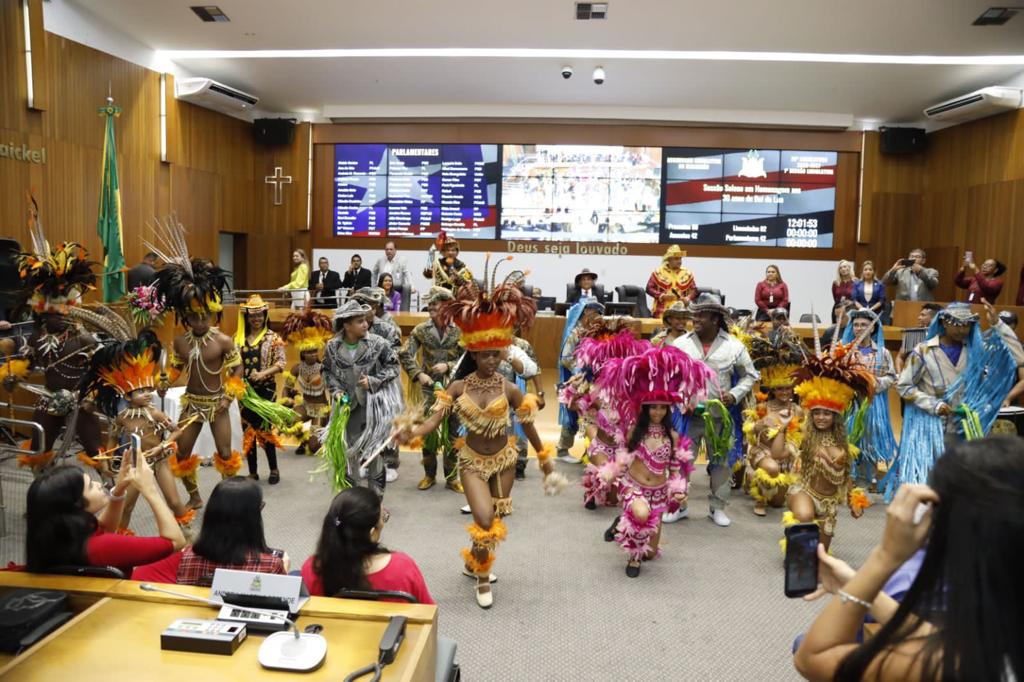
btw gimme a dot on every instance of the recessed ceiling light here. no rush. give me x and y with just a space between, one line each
995 16
209 13
587 11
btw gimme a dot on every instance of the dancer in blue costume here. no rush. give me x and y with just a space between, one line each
954 384
869 427
577 319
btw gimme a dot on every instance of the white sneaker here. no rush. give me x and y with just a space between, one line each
465 509
672 517
391 475
568 459
719 517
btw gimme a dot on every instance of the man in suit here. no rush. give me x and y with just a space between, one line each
323 285
914 282
392 265
356 277
585 286
143 273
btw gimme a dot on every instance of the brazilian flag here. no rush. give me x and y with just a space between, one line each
108 225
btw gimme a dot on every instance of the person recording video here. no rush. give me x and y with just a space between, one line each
914 281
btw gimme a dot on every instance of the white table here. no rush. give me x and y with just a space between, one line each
204 446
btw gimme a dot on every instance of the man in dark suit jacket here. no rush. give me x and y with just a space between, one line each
586 284
143 273
323 285
356 277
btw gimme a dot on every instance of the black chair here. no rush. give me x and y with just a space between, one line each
628 293
88 571
546 303
570 293
447 669
807 318
406 293
709 290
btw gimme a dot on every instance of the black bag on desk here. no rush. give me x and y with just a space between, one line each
27 615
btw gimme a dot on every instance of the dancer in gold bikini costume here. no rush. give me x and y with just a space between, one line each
192 287
482 400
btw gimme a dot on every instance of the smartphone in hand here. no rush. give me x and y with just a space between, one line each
907 262
968 256
801 565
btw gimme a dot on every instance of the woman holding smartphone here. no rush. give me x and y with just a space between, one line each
982 283
231 537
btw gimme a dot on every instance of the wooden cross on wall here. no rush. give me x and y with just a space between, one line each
278 181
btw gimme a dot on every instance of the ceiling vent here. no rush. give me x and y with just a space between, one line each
995 16
977 104
208 93
588 11
209 13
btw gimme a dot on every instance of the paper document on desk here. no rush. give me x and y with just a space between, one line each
289 588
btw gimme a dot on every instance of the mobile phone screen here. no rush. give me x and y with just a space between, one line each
801 559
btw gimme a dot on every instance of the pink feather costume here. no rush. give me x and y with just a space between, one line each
664 375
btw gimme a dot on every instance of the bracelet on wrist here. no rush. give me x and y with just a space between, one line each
846 597
114 498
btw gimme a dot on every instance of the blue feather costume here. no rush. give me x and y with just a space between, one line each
877 443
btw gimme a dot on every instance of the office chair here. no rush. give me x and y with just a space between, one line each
88 571
808 318
447 669
406 293
709 290
628 293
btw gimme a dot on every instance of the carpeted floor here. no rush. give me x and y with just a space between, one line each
712 608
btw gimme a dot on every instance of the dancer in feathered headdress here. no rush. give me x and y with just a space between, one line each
55 281
868 425
193 288
308 331
774 427
125 370
829 383
653 466
487 460
578 319
953 385
603 340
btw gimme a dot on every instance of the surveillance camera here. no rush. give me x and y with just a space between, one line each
566 72
599 75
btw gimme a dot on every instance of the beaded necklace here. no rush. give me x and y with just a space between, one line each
195 354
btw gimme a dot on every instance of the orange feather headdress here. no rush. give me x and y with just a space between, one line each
488 317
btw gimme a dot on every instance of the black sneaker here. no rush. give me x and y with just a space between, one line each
632 571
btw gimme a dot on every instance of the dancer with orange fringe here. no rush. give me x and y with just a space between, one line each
487 459
304 387
193 288
828 385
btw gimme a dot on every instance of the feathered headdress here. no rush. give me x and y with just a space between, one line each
778 360
121 367
833 379
488 317
189 285
662 374
604 342
56 279
307 330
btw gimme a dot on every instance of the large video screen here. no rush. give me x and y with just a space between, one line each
415 190
581 193
750 197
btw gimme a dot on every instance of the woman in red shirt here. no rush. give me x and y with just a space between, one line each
349 554
231 537
72 521
985 283
770 293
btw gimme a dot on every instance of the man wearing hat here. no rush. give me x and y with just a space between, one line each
447 271
585 286
671 282
677 317
711 343
429 357
361 369
577 319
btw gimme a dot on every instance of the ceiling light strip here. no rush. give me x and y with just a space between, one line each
650 55
31 93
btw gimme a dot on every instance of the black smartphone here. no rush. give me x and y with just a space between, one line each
801 559
907 262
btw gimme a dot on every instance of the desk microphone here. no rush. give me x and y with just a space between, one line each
302 652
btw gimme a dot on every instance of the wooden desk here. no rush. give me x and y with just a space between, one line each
121 632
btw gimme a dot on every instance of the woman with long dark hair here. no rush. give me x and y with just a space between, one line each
963 617
349 554
72 520
231 537
392 297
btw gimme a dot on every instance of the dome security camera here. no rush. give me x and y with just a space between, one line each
567 72
599 75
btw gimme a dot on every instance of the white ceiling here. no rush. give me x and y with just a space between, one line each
878 92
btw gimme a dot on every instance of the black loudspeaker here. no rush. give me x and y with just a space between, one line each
903 140
273 131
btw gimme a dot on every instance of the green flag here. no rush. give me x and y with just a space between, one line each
109 223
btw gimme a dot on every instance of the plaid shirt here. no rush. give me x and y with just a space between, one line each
195 570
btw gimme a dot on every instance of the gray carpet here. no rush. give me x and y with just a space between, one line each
711 608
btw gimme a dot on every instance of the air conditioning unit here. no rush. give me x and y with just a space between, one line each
978 104
208 93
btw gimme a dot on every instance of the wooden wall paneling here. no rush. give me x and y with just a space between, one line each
12 68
